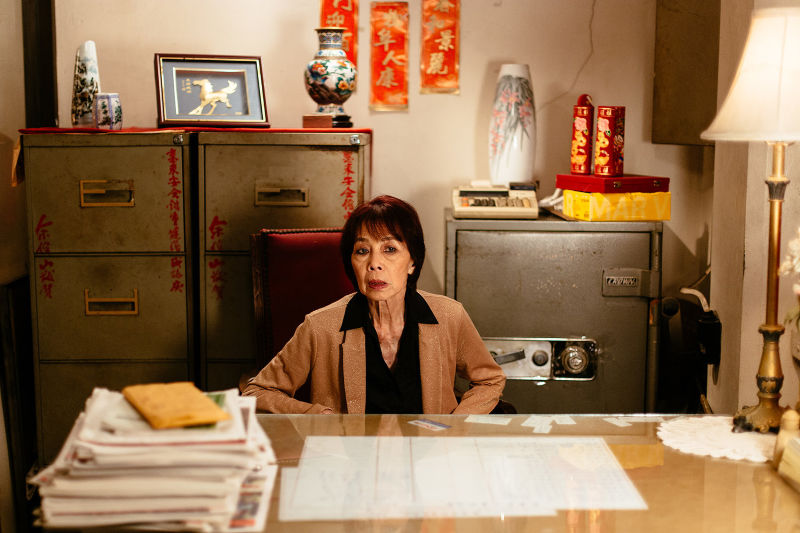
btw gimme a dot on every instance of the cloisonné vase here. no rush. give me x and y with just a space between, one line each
85 84
512 131
330 77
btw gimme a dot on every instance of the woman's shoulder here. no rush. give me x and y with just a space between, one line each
332 311
440 303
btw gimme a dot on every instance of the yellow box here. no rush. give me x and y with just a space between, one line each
617 206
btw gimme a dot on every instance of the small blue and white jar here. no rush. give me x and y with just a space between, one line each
330 77
107 111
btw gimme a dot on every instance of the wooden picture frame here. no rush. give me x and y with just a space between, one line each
207 90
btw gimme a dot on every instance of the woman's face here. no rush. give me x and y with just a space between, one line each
381 265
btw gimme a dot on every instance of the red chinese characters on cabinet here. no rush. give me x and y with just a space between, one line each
43 235
46 278
217 276
174 204
176 273
342 14
216 230
174 210
47 270
348 194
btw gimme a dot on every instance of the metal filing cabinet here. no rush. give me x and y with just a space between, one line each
566 306
108 219
253 180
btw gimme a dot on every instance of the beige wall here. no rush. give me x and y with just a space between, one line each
441 141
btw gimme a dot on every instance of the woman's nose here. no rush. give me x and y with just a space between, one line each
374 265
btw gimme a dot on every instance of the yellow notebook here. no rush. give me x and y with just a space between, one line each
172 405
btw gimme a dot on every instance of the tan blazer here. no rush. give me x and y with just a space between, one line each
335 361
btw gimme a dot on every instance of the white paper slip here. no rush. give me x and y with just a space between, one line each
544 428
537 420
489 419
564 420
619 422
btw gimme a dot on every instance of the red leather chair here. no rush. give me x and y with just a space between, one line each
295 271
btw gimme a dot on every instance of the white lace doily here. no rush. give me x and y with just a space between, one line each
712 435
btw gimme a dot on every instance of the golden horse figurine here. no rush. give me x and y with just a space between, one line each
208 96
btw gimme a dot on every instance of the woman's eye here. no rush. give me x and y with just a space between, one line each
390 249
360 251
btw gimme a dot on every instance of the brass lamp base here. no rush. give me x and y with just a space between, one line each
766 415
763 417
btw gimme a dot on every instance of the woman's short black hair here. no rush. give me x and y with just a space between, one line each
379 216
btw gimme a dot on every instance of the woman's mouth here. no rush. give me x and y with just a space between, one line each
376 284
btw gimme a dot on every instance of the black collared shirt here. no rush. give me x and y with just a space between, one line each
399 389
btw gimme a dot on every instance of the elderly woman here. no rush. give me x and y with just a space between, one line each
388 348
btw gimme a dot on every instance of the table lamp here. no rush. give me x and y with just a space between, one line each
763 104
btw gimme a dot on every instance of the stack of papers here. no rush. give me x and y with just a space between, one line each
365 478
115 469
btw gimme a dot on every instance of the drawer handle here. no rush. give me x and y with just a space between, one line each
107 193
281 196
111 306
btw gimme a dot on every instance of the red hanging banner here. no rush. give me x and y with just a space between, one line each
342 14
389 56
441 44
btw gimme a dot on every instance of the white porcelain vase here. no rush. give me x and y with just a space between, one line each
512 131
85 84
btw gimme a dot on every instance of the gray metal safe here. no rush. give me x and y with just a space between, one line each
566 307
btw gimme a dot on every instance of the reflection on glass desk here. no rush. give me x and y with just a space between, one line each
683 492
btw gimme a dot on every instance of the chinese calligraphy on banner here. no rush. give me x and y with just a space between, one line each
342 14
441 44
389 57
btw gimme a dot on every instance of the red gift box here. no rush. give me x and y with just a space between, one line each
612 184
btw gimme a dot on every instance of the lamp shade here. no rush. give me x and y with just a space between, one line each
763 104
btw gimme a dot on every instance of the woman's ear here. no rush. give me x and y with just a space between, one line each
411 269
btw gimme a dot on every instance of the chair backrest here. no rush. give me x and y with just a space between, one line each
295 271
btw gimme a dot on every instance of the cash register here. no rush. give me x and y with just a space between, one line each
518 200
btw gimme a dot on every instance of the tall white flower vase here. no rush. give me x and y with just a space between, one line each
512 131
85 84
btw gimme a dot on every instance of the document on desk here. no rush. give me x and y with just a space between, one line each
349 478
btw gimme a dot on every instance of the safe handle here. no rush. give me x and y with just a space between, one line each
111 306
106 193
266 195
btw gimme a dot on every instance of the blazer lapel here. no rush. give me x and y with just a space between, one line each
430 368
354 370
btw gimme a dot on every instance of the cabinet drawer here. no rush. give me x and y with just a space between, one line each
246 188
228 304
111 307
66 386
106 199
